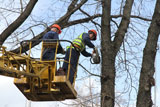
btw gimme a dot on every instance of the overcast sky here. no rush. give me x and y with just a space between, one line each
10 96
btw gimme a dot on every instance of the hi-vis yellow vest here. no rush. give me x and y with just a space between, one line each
79 41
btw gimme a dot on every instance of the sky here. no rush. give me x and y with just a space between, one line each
10 96
156 89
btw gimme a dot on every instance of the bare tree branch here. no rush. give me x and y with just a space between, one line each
69 13
71 23
132 16
90 16
12 27
70 8
119 35
90 72
59 21
84 20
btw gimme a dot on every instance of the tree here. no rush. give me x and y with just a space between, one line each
13 26
122 27
147 71
110 49
63 21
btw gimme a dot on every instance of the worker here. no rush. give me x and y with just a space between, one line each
49 53
79 47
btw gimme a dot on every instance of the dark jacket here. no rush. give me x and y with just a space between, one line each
88 43
52 35
49 52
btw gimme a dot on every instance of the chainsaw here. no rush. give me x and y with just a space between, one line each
95 59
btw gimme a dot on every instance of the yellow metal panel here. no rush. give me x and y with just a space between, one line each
20 81
49 44
60 79
65 86
44 74
30 46
69 64
1 61
41 52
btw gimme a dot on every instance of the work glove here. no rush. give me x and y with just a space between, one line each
63 51
94 51
93 55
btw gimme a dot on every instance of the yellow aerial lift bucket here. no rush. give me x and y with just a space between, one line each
37 79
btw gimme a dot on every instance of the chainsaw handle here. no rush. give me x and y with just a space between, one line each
91 61
94 61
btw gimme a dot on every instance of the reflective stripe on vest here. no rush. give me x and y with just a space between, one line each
79 41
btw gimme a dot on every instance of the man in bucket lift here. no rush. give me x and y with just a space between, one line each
79 47
49 53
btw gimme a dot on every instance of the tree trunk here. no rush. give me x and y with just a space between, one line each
110 49
108 71
147 71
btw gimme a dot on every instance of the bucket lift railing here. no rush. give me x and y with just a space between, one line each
30 42
47 76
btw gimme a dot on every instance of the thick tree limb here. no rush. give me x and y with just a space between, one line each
90 16
132 16
70 8
119 35
84 20
12 27
69 13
